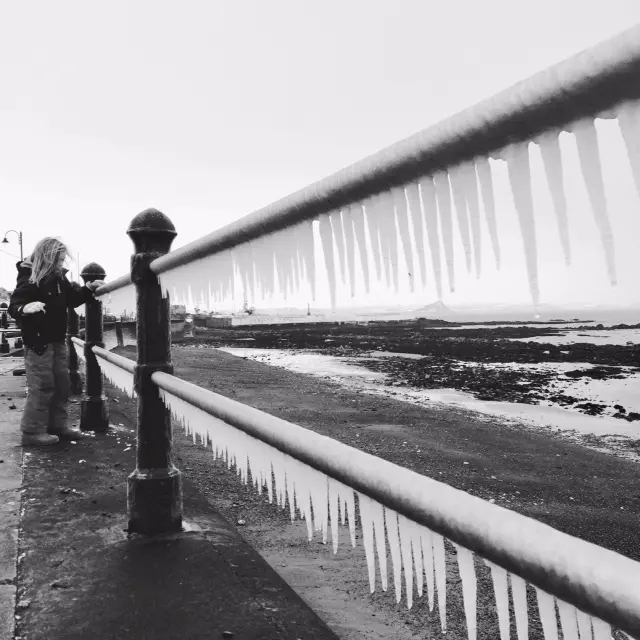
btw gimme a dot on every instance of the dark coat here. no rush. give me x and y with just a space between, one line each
58 293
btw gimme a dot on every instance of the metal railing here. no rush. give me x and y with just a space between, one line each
597 581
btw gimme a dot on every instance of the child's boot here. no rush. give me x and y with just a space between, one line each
39 439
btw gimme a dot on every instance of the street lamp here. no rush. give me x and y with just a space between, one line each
19 234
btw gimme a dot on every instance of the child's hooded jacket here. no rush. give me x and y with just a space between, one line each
58 294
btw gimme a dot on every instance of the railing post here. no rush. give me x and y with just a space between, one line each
94 414
74 374
119 336
154 496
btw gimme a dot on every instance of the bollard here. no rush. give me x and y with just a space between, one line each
94 415
74 374
154 489
119 336
4 344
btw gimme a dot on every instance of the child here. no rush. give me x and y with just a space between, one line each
39 306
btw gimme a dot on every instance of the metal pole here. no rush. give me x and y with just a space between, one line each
94 408
154 496
21 253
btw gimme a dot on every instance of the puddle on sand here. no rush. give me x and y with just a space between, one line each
342 370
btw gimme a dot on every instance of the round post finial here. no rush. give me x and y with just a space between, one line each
152 232
93 271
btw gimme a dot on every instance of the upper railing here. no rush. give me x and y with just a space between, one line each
416 509
588 85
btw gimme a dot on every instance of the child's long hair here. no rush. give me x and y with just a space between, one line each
44 259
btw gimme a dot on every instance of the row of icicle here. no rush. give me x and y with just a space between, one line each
378 224
324 503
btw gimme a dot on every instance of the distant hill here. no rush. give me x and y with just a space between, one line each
435 310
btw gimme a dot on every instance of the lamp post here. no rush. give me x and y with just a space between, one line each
19 234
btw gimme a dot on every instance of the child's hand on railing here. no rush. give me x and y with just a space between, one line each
33 307
92 286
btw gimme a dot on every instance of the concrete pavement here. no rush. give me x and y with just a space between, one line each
80 574
12 394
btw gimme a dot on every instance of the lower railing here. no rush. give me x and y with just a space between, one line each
323 481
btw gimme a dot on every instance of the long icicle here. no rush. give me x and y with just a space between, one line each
552 159
366 522
430 213
400 205
326 242
470 182
406 537
629 123
443 194
483 171
520 179
589 154
357 215
547 610
372 214
501 592
462 213
349 237
469 589
338 235
391 519
415 210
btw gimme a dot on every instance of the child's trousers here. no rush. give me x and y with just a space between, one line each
48 389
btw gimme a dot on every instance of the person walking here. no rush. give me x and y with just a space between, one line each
39 306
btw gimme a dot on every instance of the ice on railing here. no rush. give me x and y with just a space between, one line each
483 171
402 216
629 123
443 197
456 180
119 302
117 376
589 153
518 165
549 144
415 550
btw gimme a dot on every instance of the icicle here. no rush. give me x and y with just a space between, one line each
413 200
366 522
441 576
601 629
400 204
519 594
456 179
483 171
320 503
430 214
416 549
372 211
117 376
520 179
389 238
568 620
404 527
391 518
426 542
334 507
589 154
357 215
338 235
584 625
443 194
470 185
326 240
290 487
469 588
552 160
547 609
350 508
501 591
629 123
349 236
310 257
377 514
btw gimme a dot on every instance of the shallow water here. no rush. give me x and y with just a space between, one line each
345 371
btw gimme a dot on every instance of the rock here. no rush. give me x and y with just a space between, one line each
60 584
12 406
241 523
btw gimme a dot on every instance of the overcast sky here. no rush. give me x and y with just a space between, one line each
208 110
